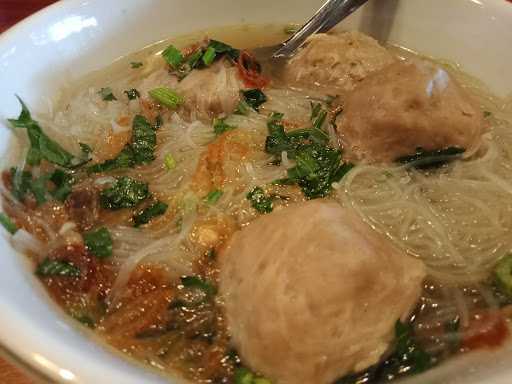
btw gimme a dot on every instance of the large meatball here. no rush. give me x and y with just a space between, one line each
312 293
212 91
405 106
338 61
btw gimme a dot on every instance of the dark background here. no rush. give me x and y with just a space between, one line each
12 11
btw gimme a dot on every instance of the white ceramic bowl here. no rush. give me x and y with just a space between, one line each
74 37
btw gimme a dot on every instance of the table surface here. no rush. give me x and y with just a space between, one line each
12 11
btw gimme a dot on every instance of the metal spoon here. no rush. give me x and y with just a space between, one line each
326 18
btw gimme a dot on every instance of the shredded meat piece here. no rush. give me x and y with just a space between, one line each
83 208
83 292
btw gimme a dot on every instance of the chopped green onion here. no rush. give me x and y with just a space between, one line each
149 213
99 242
167 97
209 56
132 94
8 224
243 376
214 196
193 59
57 268
220 126
173 56
106 94
136 64
503 273
487 114
221 48
170 162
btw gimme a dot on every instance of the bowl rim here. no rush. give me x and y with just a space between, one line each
31 367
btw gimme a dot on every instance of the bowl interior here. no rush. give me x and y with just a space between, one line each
75 37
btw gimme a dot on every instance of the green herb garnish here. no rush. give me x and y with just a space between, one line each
254 98
242 108
318 115
136 64
214 196
63 182
408 358
201 58
503 274
85 320
39 188
99 242
143 141
41 146
487 114
145 216
223 48
260 201
132 94
8 224
220 126
139 151
86 149
196 282
172 56
125 193
317 165
408 351
21 181
125 159
107 94
166 97
245 376
49 268
424 159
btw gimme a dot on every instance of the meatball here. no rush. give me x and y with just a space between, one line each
212 91
405 106
312 293
337 61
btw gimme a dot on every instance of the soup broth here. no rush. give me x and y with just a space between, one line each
128 234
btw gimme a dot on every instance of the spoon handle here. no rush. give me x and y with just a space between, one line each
328 16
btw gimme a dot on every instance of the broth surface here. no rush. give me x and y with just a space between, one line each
153 296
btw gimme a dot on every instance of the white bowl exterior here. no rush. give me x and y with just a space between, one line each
74 37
